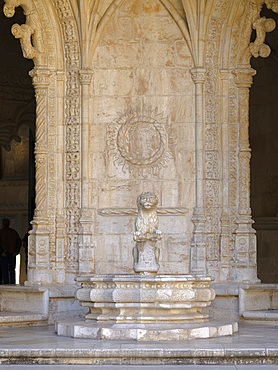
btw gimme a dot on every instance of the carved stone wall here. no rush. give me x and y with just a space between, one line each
141 134
144 95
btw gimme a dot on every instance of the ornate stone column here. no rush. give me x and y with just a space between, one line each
86 250
198 263
38 262
60 224
245 268
225 236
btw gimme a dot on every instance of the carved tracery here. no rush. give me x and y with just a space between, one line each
30 33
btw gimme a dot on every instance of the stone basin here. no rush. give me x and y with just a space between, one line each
145 298
145 308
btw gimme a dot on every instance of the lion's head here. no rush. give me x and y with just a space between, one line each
147 201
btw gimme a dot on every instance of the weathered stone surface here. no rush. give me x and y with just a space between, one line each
144 299
139 98
145 332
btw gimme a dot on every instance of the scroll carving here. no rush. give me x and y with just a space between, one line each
262 25
30 33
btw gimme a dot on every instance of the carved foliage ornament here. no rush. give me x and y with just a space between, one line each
262 25
141 141
30 33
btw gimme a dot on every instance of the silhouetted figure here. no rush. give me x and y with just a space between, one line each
10 244
25 246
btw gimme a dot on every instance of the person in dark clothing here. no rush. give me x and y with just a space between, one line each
25 246
10 244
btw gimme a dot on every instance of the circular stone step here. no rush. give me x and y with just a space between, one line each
145 332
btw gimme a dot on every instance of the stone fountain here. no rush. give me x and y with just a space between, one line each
145 306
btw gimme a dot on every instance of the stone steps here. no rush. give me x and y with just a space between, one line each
8 318
259 302
266 315
37 305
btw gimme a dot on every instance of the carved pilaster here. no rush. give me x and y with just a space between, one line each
198 263
245 238
72 136
39 264
60 223
225 235
86 249
60 249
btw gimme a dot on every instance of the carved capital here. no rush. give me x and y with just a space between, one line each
243 77
198 75
85 76
41 78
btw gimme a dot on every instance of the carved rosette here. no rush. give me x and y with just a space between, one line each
141 141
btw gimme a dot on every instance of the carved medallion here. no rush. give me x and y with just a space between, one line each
141 141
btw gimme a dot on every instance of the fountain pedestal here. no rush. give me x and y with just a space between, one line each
145 306
132 299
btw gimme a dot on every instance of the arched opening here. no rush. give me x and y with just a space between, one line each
17 126
264 161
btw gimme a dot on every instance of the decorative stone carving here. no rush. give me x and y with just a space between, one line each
72 147
262 26
30 33
145 253
39 261
142 141
40 82
245 238
86 249
199 241
272 4
145 308
132 211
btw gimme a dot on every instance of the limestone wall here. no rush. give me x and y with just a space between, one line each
142 95
141 68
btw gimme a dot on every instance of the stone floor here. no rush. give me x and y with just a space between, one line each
140 367
38 347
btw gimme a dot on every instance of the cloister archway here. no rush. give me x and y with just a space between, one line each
17 129
264 143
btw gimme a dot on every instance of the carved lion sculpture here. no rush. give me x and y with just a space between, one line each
146 222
